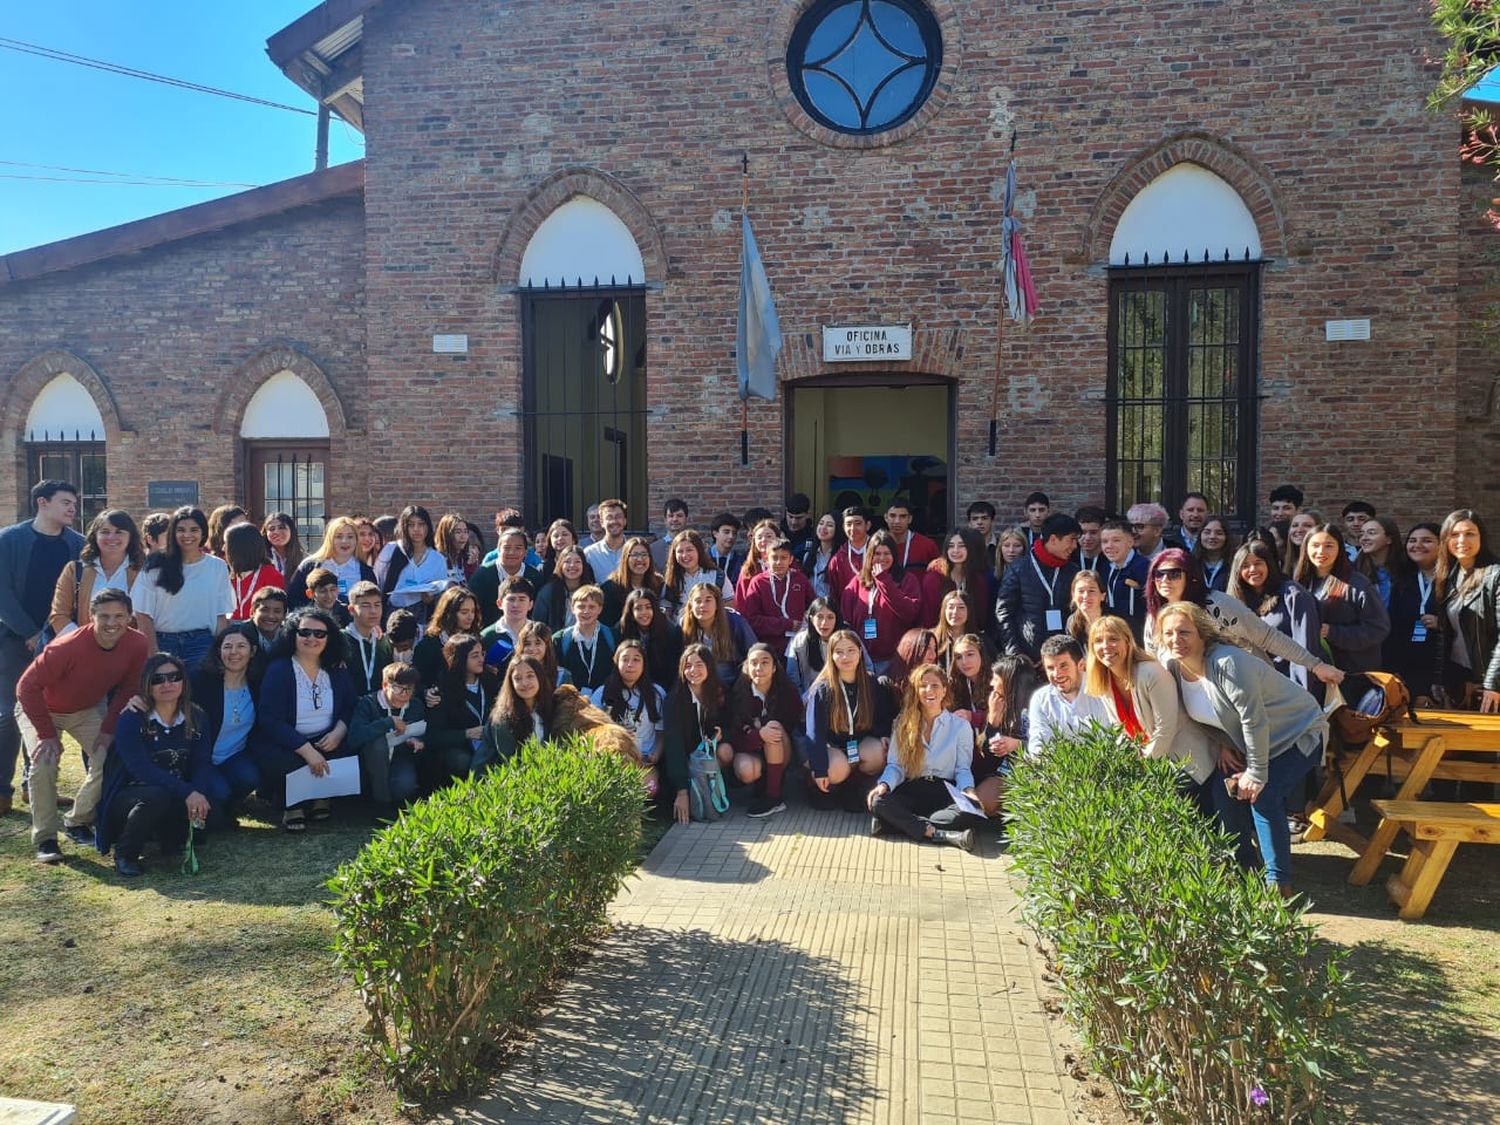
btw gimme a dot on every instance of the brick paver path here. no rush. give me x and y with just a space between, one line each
796 970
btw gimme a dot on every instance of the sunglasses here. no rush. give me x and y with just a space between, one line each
1169 573
320 634
166 678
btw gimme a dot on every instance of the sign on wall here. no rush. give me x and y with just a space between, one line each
169 494
865 343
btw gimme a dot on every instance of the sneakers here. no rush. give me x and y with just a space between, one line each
128 866
48 852
766 806
81 834
949 838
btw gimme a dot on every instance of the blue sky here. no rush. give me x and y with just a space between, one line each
59 114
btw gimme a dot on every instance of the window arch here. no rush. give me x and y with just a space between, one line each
582 242
285 430
583 388
64 437
1184 270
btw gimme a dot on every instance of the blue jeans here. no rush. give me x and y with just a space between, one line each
13 661
229 783
189 647
1268 811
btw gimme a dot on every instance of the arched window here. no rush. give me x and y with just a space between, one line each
285 431
65 441
584 380
1184 275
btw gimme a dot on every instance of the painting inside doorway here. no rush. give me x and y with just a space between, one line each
920 480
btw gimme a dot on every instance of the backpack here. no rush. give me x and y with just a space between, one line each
708 799
1378 697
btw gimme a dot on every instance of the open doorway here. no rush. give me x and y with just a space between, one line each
867 439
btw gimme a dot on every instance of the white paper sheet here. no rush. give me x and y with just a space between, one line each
961 799
342 780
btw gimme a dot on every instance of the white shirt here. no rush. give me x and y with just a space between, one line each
119 580
1197 704
635 719
206 595
314 701
346 572
603 558
432 568
1050 715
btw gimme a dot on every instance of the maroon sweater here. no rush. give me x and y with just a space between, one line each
73 674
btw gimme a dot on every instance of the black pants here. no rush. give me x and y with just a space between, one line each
142 811
914 805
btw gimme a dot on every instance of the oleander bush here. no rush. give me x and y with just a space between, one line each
454 920
1197 991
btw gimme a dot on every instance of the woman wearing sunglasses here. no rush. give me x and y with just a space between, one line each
306 701
158 770
1175 576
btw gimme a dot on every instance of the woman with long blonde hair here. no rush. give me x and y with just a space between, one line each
339 555
934 748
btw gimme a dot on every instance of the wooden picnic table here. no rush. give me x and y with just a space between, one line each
1452 745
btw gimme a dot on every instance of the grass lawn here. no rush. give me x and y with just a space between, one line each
209 998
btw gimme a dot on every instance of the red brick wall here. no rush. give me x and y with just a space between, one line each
1478 442
472 105
178 334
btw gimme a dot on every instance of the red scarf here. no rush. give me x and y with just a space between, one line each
1125 707
1046 557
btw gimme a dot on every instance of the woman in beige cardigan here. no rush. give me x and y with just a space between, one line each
1141 696
111 557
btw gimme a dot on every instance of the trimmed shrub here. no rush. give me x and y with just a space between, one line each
1197 991
454 920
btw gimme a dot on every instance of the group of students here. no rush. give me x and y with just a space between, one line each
199 658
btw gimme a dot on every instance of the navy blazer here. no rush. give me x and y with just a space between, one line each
276 705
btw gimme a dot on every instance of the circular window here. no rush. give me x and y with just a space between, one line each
864 66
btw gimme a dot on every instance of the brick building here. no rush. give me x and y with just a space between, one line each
527 291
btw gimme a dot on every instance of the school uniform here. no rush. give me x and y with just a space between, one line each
589 662
881 614
774 607
1125 591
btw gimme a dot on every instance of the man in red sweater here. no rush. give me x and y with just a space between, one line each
64 689
776 599
848 559
913 549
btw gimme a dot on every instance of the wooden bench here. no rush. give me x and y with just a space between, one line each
1436 829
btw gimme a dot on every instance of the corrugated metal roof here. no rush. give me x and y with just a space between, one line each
332 46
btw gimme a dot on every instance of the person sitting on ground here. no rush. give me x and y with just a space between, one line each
387 732
1003 740
225 687
694 717
637 704
306 701
522 712
934 749
968 679
764 708
455 724
77 685
158 770
848 722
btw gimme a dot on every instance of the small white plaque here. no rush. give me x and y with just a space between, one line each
867 343
454 344
1338 331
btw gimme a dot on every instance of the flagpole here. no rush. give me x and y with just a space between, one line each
999 331
744 398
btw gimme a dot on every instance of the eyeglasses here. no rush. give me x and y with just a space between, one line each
320 634
166 678
1169 573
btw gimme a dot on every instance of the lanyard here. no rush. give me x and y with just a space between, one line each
1424 589
851 709
785 594
469 701
590 652
906 550
854 566
368 664
1210 573
239 590
1051 586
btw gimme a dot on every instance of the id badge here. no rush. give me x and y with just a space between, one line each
869 628
1054 621
1418 633
343 589
851 750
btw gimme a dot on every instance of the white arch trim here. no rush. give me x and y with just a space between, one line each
64 407
284 407
582 239
1186 208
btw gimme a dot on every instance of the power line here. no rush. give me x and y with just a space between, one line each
125 183
144 177
131 72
